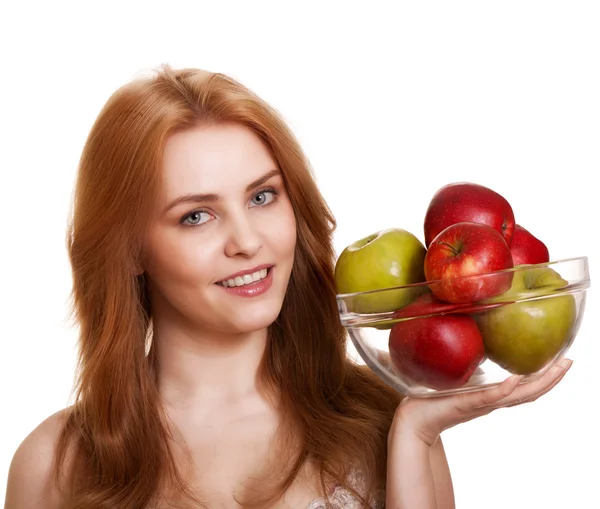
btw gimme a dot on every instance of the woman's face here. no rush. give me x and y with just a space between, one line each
220 247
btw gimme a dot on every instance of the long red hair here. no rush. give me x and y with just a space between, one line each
117 439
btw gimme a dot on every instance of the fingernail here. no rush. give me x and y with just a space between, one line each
566 363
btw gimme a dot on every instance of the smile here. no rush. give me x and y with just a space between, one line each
245 280
251 284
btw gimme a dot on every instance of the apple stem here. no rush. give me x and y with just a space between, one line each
454 250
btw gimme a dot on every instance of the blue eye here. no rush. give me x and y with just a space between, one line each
196 218
201 217
263 197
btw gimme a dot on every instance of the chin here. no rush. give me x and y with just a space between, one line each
250 322
245 315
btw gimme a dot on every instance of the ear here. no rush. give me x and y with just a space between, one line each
138 268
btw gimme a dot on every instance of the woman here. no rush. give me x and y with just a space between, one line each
213 369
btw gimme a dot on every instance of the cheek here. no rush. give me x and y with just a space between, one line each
178 260
286 231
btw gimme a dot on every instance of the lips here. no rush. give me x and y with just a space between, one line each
246 277
253 288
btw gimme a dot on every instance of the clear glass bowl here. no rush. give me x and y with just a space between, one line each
431 347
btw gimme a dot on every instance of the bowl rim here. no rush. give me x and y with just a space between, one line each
583 260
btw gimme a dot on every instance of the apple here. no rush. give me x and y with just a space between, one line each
532 326
428 304
440 351
386 259
468 202
460 259
425 305
527 249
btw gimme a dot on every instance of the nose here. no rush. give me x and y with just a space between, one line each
243 238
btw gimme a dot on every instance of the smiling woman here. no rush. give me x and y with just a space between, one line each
213 369
209 246
213 366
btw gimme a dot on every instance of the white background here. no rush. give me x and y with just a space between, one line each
389 104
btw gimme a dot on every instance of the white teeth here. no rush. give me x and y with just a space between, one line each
246 279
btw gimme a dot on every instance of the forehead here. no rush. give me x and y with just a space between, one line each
217 158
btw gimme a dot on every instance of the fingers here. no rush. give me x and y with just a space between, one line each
490 397
510 393
538 388
449 411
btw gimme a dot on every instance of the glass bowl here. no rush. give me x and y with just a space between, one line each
431 347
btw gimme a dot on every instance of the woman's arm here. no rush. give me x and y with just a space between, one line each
444 490
410 480
420 472
418 476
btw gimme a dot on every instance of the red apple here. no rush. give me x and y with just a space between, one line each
467 202
428 304
527 249
439 352
460 259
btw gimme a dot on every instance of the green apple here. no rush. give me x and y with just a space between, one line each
528 282
385 259
532 326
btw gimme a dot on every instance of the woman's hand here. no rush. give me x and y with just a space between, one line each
417 470
428 417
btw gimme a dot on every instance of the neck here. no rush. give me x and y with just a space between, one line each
204 366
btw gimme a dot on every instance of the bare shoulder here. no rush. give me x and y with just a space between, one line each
30 476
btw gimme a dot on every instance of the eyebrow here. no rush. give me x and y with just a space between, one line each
211 197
